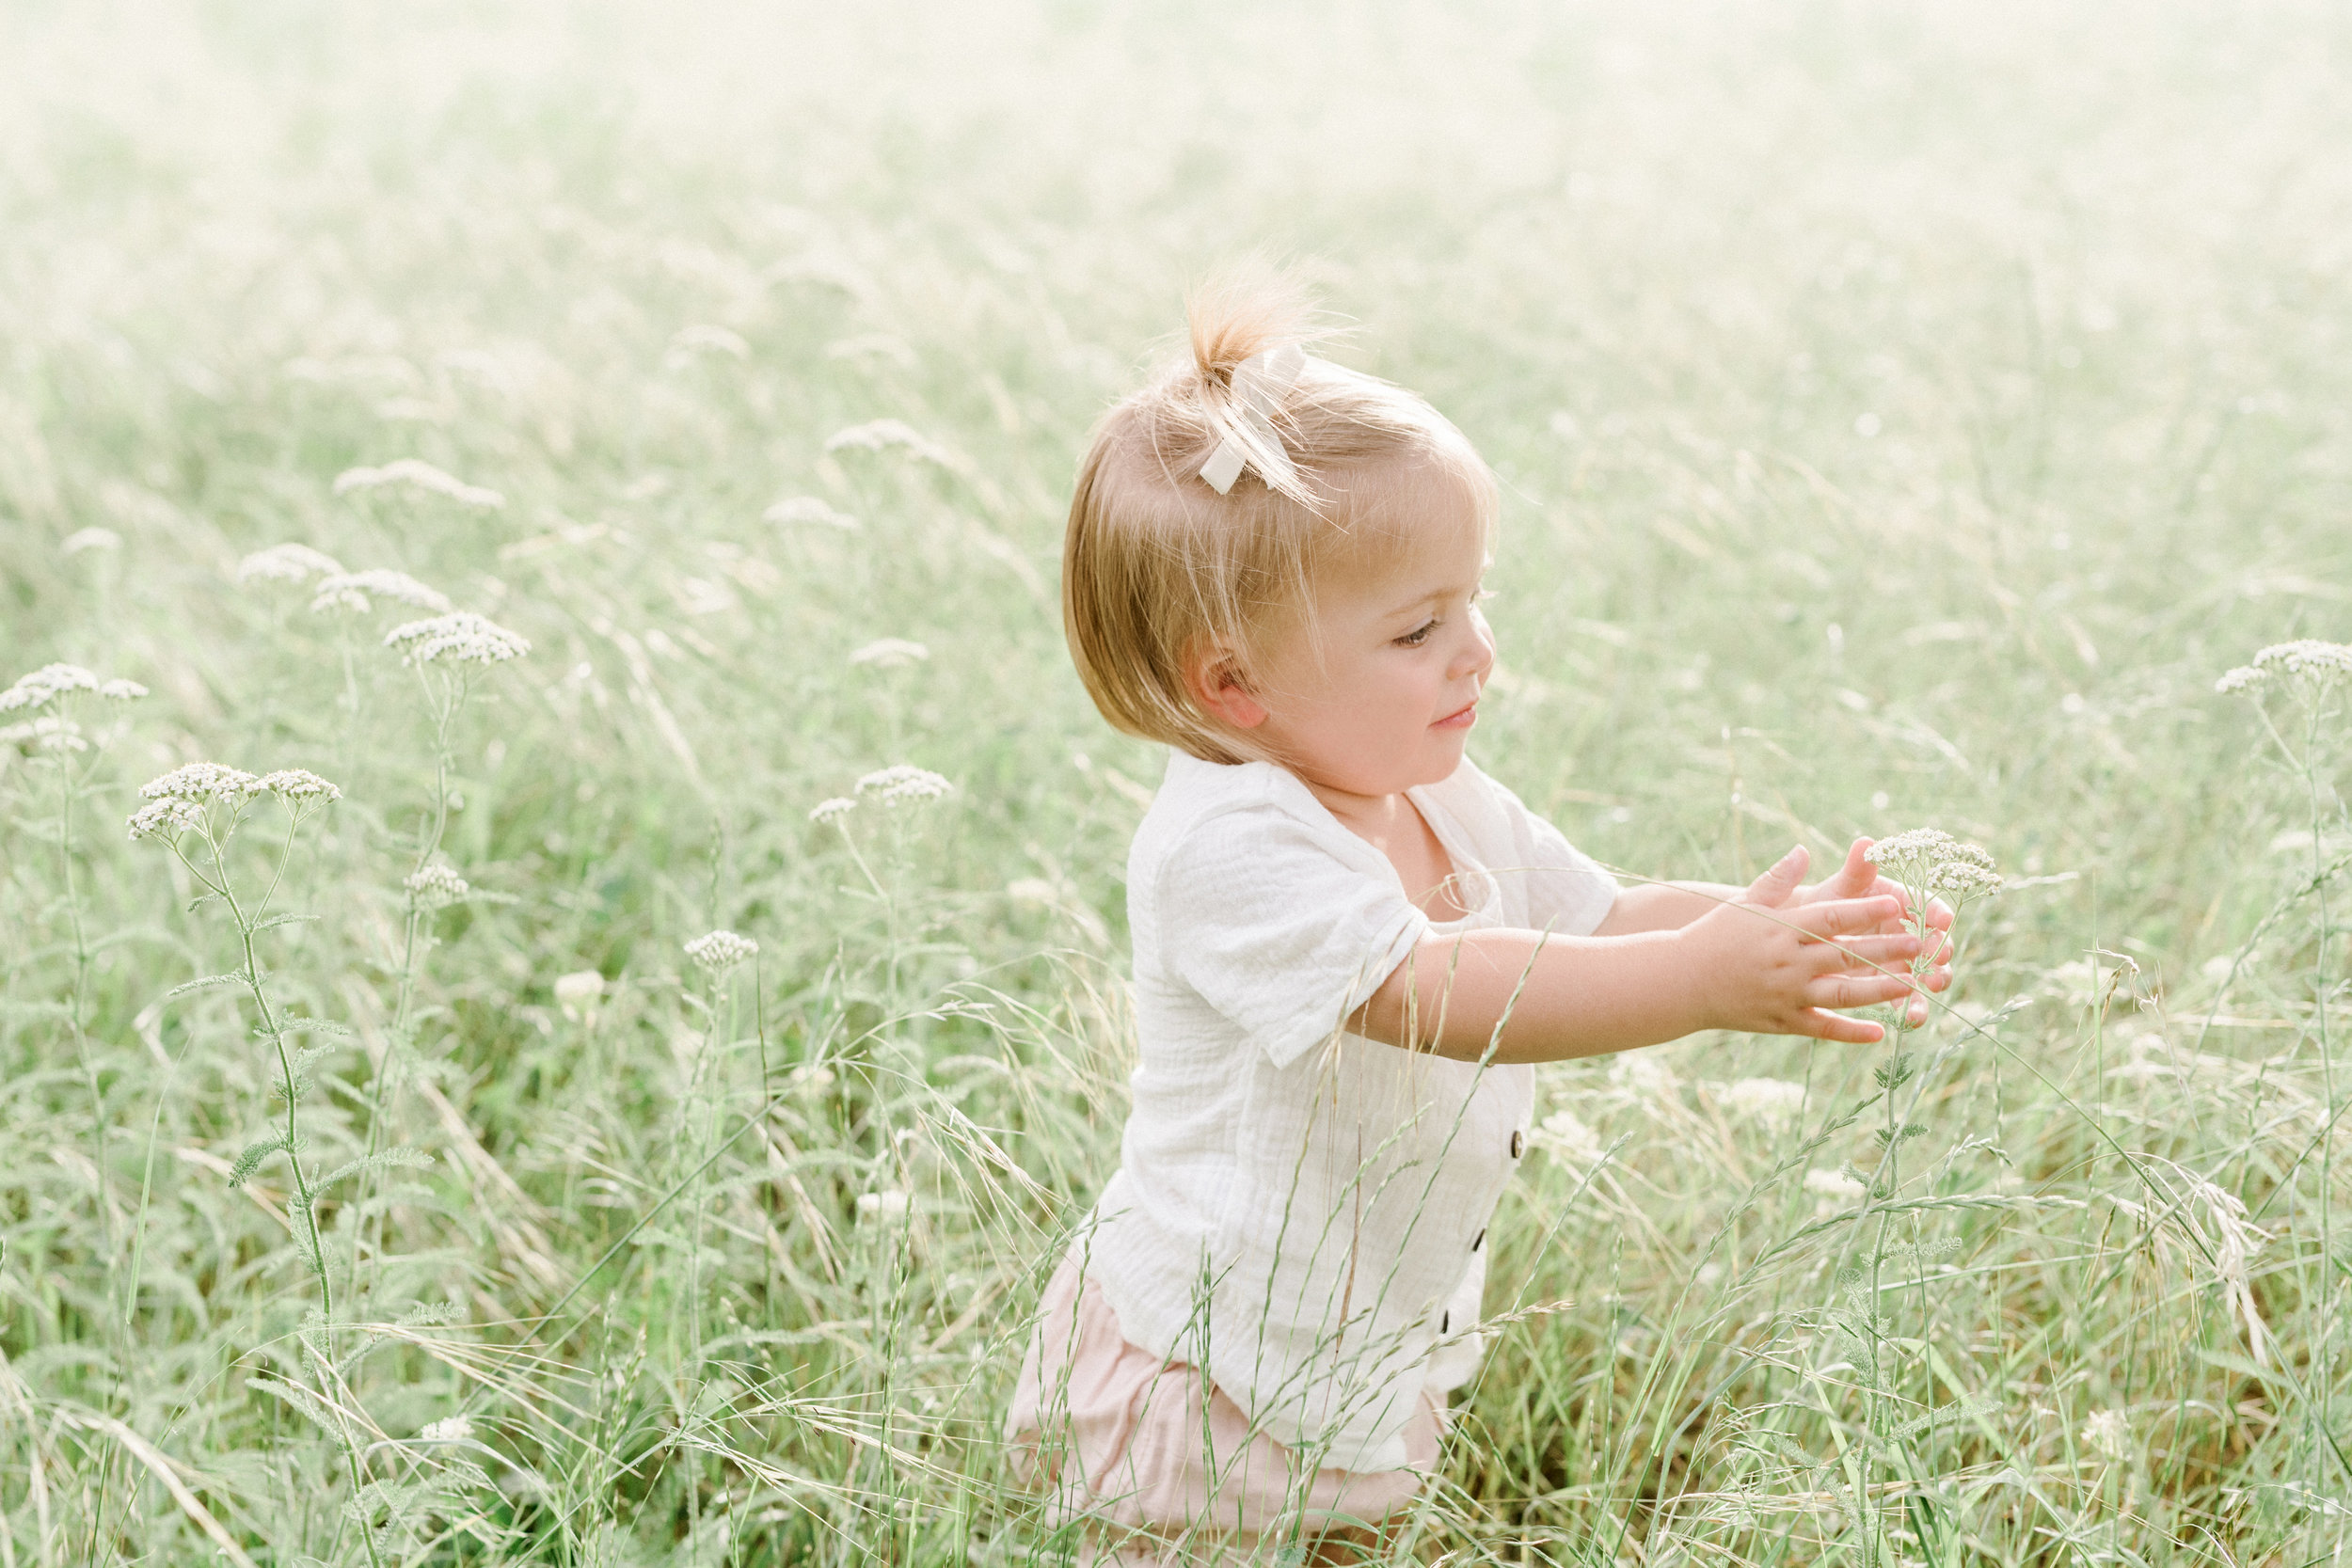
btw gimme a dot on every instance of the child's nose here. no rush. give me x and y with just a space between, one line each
1478 655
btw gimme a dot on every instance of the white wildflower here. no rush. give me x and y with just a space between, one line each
578 992
883 434
1957 881
435 887
1928 860
48 732
90 539
169 817
46 685
889 1204
1774 1102
905 782
460 634
203 781
287 563
720 951
1833 1190
2306 660
808 509
350 591
1644 1076
121 690
891 652
1565 1132
833 810
452 1428
2108 1432
299 787
424 476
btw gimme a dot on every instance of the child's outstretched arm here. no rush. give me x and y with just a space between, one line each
1761 961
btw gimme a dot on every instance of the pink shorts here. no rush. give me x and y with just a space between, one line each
1118 1439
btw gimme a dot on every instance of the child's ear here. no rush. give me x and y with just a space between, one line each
1218 685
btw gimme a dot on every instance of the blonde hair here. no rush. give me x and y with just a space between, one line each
1156 564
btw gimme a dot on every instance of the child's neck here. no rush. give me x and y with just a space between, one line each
1395 827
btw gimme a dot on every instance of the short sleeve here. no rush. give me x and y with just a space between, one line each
1283 931
1567 895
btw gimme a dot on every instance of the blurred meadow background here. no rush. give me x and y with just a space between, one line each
1907 414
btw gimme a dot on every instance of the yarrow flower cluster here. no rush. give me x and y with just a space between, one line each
833 810
1774 1102
299 787
1832 1188
461 637
200 782
2309 660
351 591
1930 861
424 476
52 681
720 951
577 992
2108 1432
176 801
435 887
904 781
287 562
166 818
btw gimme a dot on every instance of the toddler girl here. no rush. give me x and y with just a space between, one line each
1349 944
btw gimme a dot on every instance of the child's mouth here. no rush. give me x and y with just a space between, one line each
1461 719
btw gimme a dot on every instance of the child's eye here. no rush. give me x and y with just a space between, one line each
1416 638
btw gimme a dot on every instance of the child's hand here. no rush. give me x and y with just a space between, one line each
1773 961
1859 878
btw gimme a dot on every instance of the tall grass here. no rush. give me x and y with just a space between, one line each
1907 415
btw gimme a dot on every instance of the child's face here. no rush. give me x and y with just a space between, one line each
1389 698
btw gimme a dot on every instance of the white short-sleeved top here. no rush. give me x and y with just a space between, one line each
1299 1210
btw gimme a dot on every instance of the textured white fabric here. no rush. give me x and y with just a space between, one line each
1299 1209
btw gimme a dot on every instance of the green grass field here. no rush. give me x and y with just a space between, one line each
1906 413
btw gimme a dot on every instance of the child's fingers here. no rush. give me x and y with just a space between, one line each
1865 952
1819 1025
1845 917
1856 990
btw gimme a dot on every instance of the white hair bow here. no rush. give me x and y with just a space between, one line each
1261 383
